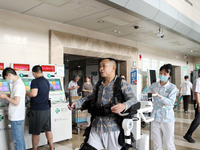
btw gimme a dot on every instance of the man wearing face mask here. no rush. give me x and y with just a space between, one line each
16 109
162 128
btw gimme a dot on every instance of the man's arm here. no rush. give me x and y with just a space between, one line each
72 88
129 97
14 101
79 103
196 94
32 93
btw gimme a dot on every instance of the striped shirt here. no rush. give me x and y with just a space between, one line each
105 96
163 107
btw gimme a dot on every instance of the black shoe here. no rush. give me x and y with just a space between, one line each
189 139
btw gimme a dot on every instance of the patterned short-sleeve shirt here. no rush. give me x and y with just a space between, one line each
105 95
163 107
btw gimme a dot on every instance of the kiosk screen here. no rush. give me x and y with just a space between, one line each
55 85
4 86
27 83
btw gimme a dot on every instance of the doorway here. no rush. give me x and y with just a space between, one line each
85 65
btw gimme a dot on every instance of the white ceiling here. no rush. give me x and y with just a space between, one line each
87 13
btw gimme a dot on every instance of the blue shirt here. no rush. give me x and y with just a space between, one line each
163 107
105 95
40 101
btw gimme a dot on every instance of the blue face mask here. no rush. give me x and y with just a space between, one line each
10 81
163 78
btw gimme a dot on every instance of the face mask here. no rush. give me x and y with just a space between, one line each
163 78
10 81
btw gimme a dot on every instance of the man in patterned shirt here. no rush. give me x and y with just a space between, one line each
105 130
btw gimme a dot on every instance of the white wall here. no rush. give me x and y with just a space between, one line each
22 39
174 58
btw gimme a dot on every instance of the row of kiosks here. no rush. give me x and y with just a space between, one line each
60 115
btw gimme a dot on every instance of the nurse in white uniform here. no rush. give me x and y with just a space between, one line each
162 128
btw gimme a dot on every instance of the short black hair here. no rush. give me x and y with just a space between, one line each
167 68
8 70
37 69
111 59
186 77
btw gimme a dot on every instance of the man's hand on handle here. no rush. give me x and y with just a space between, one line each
118 108
72 106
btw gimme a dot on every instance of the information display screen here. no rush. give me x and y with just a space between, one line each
27 83
152 76
55 85
4 86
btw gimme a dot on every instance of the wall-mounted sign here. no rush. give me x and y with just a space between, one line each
197 66
21 67
48 68
133 76
1 66
134 63
94 73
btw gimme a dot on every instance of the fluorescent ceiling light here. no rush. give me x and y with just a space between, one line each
56 2
114 20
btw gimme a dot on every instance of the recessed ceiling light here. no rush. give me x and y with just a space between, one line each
100 21
117 31
191 51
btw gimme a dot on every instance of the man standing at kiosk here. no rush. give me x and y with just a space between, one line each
16 109
40 118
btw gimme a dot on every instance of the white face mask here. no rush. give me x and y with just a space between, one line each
163 78
10 81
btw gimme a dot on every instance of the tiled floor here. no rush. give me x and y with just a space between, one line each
182 124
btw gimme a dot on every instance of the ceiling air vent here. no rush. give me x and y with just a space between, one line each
190 3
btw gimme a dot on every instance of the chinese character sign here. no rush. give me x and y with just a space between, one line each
133 76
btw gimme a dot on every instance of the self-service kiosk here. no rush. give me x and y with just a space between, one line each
61 117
